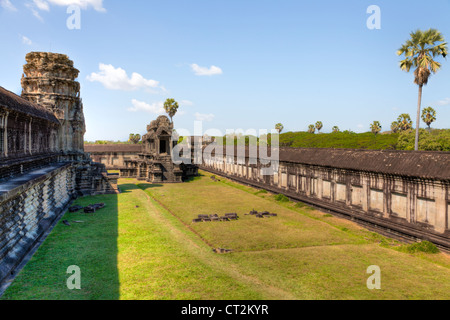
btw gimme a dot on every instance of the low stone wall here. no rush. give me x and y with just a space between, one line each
28 206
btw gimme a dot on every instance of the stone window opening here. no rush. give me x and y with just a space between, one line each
163 146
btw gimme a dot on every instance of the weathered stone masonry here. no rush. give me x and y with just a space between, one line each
405 192
28 209
43 166
150 161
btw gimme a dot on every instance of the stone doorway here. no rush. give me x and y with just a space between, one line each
163 146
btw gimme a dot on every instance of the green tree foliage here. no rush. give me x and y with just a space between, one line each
376 127
336 129
395 127
134 138
319 126
311 128
342 140
279 127
436 140
404 122
420 52
171 107
429 116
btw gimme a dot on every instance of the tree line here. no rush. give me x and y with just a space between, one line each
421 52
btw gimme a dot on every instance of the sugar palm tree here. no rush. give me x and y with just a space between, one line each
395 127
429 116
312 128
420 51
279 127
404 122
134 138
375 127
319 126
171 108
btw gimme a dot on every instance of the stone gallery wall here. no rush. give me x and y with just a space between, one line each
43 166
113 156
405 192
28 209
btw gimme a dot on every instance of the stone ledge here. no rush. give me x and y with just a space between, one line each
18 185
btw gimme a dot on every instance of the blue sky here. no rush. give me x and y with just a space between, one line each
235 64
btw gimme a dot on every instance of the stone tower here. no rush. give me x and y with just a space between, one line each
49 80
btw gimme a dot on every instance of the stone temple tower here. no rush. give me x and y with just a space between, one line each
49 80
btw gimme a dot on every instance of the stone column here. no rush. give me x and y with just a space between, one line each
411 203
5 135
365 192
29 137
440 193
320 186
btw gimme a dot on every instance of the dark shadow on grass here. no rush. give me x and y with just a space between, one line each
126 188
195 178
147 186
90 242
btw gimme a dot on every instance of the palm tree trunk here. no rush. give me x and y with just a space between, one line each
418 118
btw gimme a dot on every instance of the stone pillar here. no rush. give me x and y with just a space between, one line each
29 137
387 189
411 203
320 186
5 135
440 194
365 192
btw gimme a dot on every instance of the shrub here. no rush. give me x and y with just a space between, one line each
424 246
281 198
300 205
436 140
345 139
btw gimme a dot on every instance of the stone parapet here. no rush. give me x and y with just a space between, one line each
28 206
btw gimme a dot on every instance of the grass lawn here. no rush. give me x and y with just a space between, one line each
143 245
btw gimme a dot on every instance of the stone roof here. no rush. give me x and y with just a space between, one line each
421 164
11 101
112 148
424 164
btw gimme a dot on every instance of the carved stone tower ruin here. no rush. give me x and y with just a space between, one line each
49 80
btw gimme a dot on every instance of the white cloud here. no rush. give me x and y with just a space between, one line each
444 102
6 4
203 71
155 108
35 12
204 117
26 40
186 103
42 5
360 126
117 79
83 4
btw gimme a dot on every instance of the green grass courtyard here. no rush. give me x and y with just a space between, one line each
143 245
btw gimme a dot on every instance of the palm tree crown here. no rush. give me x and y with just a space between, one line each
279 127
420 51
429 116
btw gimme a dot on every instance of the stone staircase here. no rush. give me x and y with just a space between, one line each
170 171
